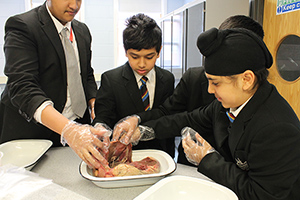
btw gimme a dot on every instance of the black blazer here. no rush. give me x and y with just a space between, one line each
190 93
119 96
36 71
259 153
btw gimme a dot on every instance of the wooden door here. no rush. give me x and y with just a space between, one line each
277 28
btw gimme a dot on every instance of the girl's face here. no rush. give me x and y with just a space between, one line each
230 91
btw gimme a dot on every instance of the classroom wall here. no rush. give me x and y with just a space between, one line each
7 8
99 15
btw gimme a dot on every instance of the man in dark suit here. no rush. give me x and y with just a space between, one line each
37 100
119 94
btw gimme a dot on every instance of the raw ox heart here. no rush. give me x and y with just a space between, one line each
120 163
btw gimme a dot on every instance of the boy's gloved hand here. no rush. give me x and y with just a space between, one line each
125 129
142 133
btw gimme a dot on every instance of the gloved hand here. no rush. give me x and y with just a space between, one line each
142 133
84 142
105 133
126 130
195 147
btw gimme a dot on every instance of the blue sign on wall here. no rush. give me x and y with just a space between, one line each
285 6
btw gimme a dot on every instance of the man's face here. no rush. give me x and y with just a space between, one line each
142 61
64 10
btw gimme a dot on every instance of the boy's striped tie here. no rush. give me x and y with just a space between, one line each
145 93
230 116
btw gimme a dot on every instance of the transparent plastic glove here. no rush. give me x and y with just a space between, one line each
84 142
102 131
147 133
195 147
142 133
125 129
105 133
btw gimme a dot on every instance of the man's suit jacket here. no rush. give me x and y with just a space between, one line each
190 93
259 152
36 71
119 97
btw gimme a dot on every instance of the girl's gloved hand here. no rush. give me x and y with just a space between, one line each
195 147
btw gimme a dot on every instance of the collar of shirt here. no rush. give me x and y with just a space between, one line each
150 76
57 23
236 111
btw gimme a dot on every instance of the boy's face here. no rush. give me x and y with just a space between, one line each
230 92
64 10
142 61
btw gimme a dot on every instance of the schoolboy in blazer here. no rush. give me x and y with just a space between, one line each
119 94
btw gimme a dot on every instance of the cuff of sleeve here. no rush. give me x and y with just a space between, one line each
139 118
38 113
211 151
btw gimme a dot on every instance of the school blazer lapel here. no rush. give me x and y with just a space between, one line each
246 114
49 29
223 124
159 87
131 86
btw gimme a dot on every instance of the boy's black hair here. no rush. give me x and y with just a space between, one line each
142 32
241 21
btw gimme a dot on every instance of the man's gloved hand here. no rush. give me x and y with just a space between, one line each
83 139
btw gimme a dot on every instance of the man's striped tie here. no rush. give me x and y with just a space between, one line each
145 93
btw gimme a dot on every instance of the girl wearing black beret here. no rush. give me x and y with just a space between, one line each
250 135
248 138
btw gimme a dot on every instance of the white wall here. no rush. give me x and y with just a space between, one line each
99 17
217 11
7 8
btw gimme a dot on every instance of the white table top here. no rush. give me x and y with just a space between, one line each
61 165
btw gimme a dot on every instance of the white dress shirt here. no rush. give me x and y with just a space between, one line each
150 84
236 111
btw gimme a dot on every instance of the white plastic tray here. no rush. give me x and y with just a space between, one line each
184 187
24 153
167 166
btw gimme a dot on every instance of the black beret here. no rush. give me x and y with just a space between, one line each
233 51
